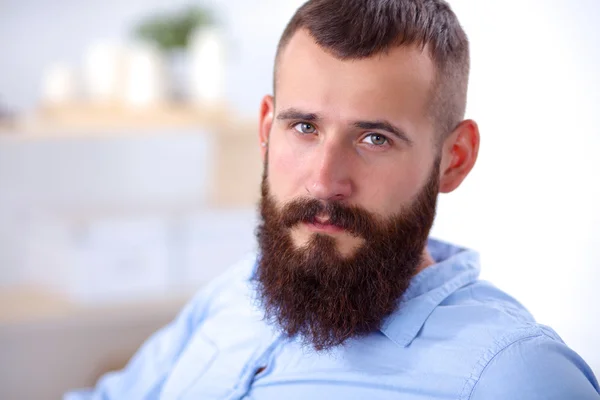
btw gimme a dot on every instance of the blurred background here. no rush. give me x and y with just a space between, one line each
129 168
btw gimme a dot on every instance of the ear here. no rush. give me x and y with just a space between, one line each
267 108
459 153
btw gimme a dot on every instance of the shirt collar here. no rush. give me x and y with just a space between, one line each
455 267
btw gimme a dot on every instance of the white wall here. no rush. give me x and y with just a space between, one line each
532 204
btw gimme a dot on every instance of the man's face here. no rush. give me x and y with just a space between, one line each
349 190
352 131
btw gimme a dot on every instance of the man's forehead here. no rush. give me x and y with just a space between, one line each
390 85
407 62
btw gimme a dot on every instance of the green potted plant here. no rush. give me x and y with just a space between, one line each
171 33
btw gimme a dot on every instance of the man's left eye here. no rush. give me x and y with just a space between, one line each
375 139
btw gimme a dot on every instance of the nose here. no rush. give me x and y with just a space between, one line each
330 178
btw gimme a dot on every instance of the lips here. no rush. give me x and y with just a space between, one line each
322 220
323 224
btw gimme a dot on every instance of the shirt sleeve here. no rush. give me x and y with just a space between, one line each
535 368
146 372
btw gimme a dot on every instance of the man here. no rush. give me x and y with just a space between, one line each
347 297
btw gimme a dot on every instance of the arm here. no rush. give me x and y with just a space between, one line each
539 367
147 371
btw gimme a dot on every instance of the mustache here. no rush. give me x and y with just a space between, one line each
356 220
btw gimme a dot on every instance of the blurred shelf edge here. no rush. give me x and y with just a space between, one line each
237 166
110 119
30 305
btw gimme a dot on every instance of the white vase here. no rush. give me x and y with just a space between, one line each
145 77
104 67
207 67
59 85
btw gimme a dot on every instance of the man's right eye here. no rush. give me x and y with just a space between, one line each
305 128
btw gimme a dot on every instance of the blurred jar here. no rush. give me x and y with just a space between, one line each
59 85
104 72
145 77
207 67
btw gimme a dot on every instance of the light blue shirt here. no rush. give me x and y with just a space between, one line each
452 337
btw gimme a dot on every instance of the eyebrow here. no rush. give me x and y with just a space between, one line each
292 113
382 125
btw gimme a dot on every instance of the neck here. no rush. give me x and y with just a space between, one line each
427 261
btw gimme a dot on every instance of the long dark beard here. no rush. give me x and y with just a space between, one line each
322 296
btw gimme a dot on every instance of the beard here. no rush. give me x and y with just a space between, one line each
322 297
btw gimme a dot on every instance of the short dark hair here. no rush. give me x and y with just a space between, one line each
354 29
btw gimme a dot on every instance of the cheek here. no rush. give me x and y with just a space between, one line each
390 187
287 169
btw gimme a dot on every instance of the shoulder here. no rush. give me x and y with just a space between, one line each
510 354
477 319
536 366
